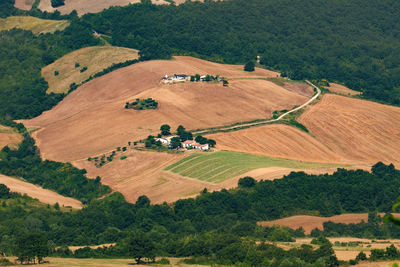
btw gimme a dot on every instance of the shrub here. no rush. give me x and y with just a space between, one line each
123 157
83 69
249 66
56 73
57 3
246 182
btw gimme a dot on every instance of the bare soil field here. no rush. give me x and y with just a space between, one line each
93 120
8 137
89 6
34 191
357 130
341 89
311 222
277 140
36 25
95 58
23 4
142 173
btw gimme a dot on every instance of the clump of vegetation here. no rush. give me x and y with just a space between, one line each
57 3
83 69
183 134
141 104
56 73
123 157
77 65
249 66
205 78
203 140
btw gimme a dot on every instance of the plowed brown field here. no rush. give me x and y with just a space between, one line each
9 137
311 222
89 6
276 141
341 89
34 191
358 130
92 119
24 4
142 173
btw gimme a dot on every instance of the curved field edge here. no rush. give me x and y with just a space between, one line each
37 192
36 25
217 167
70 68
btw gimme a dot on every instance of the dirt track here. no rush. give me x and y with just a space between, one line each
34 191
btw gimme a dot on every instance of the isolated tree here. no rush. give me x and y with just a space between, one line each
249 66
57 3
140 246
165 129
175 142
180 130
200 139
211 142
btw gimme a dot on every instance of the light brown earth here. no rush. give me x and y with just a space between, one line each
95 58
73 248
89 6
277 140
24 4
354 129
341 89
8 137
342 130
142 173
34 191
311 222
92 119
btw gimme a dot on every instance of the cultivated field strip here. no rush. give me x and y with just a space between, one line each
219 166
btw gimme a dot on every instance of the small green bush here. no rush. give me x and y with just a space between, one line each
123 157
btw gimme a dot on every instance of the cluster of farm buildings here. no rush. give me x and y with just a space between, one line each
188 144
183 78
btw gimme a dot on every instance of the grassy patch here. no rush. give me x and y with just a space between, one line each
36 25
220 166
96 59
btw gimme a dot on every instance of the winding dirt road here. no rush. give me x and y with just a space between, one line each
268 121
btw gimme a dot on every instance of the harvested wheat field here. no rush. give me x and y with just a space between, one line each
311 222
276 140
95 58
34 191
143 173
341 89
89 6
92 119
36 25
357 130
8 137
23 4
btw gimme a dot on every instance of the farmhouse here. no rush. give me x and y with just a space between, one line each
162 140
193 144
175 78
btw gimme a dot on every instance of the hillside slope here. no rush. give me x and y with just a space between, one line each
9 137
92 119
359 130
95 58
36 25
34 191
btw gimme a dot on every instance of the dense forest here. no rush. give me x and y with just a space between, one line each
354 42
219 225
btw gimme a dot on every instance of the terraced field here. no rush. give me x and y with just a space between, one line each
220 166
36 25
